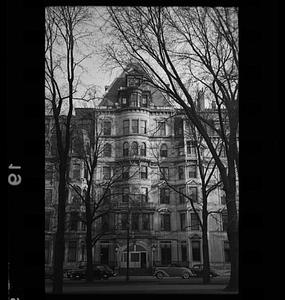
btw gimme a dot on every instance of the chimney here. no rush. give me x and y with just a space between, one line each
106 88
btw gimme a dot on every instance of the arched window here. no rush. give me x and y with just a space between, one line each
135 149
163 150
126 149
143 149
107 150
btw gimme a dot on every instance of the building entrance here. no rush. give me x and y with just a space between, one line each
137 257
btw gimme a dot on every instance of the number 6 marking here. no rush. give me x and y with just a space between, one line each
14 179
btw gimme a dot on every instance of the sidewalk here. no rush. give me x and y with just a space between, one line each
121 279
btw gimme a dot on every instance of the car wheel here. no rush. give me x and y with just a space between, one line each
159 275
186 275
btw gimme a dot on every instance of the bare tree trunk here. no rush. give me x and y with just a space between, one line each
89 243
233 241
206 260
59 244
89 247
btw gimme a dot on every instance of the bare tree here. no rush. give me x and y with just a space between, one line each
63 32
92 148
207 170
181 48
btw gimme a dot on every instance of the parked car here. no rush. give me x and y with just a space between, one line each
172 271
197 270
99 272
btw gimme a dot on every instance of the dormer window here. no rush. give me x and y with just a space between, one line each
124 101
145 99
133 81
134 100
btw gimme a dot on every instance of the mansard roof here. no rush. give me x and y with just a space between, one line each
111 97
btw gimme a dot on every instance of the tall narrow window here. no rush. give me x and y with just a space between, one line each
165 222
107 150
145 221
76 172
135 221
143 126
164 196
181 172
144 195
162 128
125 172
165 248
75 195
105 223
143 172
196 251
181 151
178 127
191 149
74 218
71 257
143 149
192 170
126 149
124 101
124 221
144 100
134 100
227 252
183 221
182 195
194 222
183 252
125 194
135 126
223 199
106 173
135 148
193 194
107 128
126 126
163 150
164 172
106 196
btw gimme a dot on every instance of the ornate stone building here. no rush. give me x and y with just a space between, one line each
147 163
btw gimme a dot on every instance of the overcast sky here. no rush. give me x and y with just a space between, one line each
96 74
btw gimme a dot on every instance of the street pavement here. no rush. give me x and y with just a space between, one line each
143 285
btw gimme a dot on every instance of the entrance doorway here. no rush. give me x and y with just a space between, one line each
104 255
143 260
137 257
